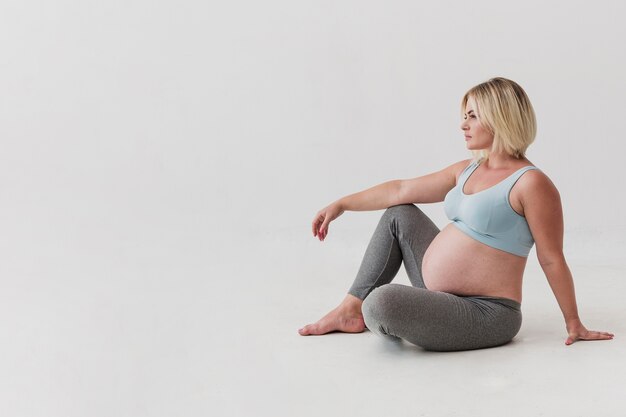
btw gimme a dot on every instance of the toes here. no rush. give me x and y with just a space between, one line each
348 325
307 330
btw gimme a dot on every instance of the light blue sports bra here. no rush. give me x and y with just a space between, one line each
487 215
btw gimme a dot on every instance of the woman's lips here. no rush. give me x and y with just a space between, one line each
467 137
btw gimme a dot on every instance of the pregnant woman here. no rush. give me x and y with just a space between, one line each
466 279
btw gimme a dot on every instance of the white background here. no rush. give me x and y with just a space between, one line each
161 162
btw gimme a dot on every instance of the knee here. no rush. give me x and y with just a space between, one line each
405 215
379 308
401 211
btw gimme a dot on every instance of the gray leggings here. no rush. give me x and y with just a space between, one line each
433 320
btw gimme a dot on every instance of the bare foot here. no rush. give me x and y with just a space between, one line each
345 318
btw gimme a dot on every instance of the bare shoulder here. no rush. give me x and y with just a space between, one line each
536 186
429 188
458 167
544 214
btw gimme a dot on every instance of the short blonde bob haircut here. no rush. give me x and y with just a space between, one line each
504 109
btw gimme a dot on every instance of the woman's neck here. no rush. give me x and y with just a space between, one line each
502 161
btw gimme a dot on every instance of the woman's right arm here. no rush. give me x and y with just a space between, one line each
374 198
429 188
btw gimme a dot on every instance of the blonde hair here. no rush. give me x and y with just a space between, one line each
505 110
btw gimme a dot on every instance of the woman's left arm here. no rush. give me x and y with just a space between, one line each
544 214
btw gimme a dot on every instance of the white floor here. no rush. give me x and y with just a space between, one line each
158 331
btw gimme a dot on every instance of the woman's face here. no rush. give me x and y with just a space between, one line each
476 136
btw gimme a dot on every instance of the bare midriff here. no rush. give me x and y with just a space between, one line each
458 264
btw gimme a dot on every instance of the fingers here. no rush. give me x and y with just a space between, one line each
324 227
590 335
593 335
323 219
320 231
316 222
314 226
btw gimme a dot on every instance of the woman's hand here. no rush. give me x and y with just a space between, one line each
576 331
323 218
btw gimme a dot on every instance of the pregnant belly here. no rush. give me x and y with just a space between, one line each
458 264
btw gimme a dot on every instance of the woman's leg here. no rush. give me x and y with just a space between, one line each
404 232
440 321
